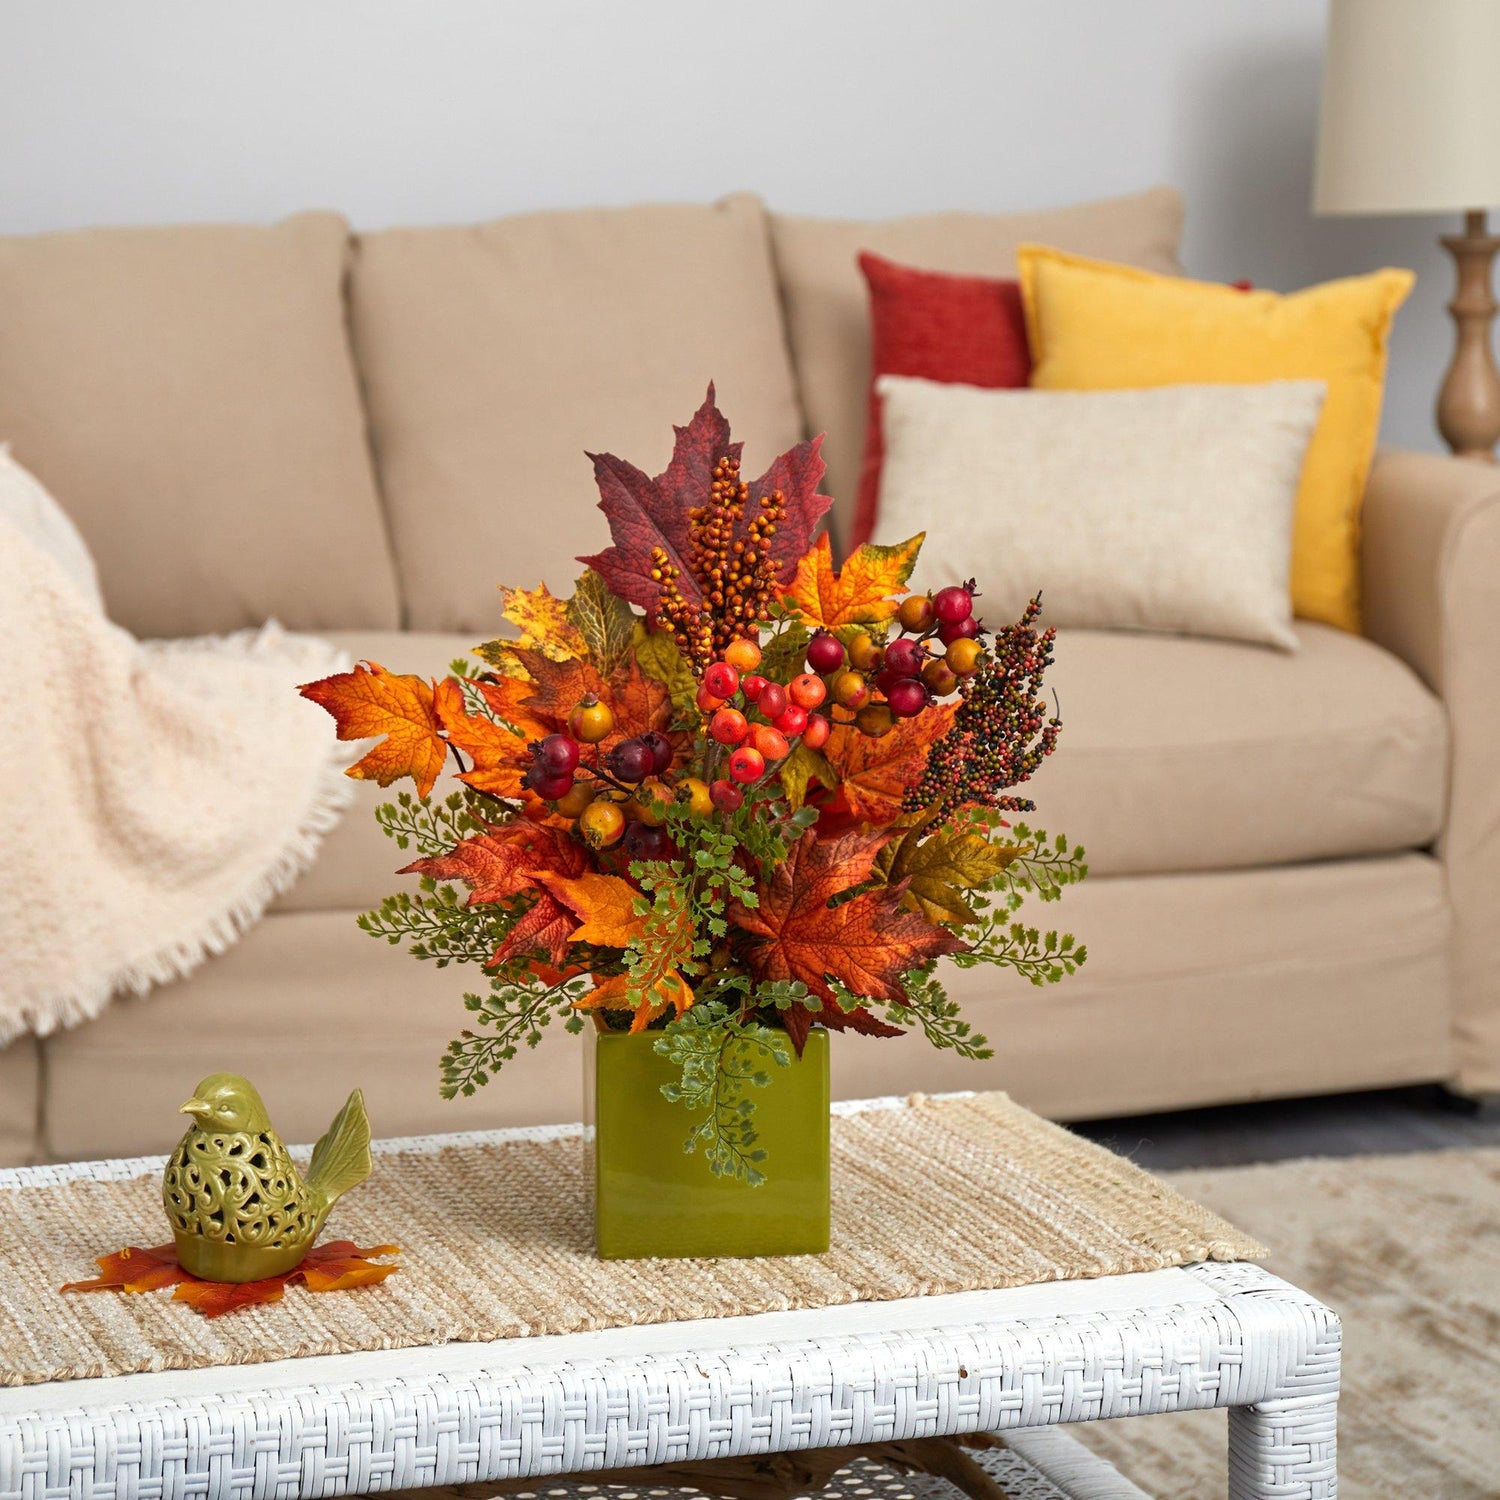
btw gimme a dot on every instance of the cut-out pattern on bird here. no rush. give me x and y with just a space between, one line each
239 1207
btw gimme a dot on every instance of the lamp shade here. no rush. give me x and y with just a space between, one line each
1411 107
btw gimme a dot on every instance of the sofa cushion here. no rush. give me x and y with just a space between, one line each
314 1008
493 356
188 396
1176 755
827 311
20 1102
1181 754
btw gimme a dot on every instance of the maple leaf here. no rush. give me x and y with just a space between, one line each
605 623
646 513
369 702
660 657
603 904
874 774
545 928
801 769
134 1270
860 592
504 860
545 622
799 1020
866 942
936 868
613 994
510 860
332 1267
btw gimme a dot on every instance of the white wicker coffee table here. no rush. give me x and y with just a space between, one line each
1017 1362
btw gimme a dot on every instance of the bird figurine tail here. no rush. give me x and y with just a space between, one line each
341 1159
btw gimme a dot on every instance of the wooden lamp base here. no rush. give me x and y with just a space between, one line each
1468 409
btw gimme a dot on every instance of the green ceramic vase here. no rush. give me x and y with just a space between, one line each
652 1198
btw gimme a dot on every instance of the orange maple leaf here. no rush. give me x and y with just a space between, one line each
134 1270
544 623
611 994
370 702
860 593
332 1267
603 904
866 942
875 774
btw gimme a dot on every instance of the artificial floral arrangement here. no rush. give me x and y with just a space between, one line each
723 791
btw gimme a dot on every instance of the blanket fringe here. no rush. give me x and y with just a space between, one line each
178 957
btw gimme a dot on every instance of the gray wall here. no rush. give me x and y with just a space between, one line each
400 111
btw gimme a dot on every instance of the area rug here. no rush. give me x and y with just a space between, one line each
1407 1249
933 1195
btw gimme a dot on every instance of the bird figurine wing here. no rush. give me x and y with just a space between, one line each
341 1159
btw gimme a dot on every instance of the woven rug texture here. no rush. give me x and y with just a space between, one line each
1407 1248
941 1195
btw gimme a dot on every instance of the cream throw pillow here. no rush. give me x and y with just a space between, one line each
1161 509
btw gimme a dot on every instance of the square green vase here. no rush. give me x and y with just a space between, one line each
652 1198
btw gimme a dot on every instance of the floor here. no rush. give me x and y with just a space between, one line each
1391 1120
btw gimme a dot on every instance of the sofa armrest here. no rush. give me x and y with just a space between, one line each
1432 596
1427 592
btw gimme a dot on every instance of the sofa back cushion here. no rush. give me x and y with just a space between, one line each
188 396
494 355
828 322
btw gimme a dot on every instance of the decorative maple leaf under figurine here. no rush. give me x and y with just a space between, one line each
725 792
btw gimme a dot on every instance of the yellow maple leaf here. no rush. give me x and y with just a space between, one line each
938 867
605 904
545 626
860 593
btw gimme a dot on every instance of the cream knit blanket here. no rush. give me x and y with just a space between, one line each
157 796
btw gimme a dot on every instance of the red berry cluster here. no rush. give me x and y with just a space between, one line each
1001 730
937 648
755 719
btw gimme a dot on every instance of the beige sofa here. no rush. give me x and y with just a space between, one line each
1296 858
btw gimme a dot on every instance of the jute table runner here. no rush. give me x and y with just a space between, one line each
939 1195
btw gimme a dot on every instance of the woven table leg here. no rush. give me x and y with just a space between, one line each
1284 1449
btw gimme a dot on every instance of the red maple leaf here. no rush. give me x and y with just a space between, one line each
866 942
331 1267
646 513
511 860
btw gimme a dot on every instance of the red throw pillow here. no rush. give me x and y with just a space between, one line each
965 330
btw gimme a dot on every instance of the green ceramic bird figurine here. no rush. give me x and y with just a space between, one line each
240 1209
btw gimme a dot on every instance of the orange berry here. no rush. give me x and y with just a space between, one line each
728 726
916 612
771 743
806 691
815 735
963 656
591 721
707 701
940 677
864 652
743 655
601 824
850 689
875 720
576 800
650 802
694 791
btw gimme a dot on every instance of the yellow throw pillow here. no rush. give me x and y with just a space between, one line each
1094 325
